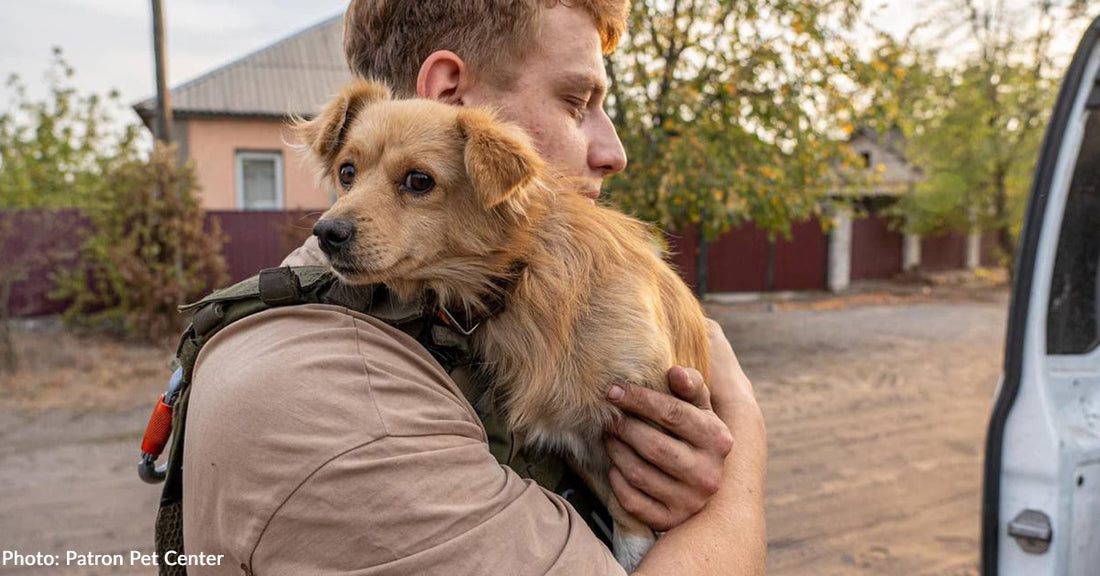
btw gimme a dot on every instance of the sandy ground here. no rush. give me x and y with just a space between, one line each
876 408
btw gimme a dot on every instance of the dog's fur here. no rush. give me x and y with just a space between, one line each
594 304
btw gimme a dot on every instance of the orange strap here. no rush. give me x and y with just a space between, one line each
158 430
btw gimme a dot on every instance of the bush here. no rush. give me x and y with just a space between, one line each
148 252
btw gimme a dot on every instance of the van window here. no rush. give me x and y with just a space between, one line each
1073 319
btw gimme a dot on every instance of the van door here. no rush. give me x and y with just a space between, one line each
1041 501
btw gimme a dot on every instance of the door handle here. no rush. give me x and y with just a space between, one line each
1032 531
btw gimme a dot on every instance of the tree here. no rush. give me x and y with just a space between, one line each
984 116
68 151
732 111
145 220
54 152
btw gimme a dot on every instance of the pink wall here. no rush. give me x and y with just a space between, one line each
213 142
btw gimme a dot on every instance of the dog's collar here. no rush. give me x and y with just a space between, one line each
465 322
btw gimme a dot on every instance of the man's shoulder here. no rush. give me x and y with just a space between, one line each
323 357
281 395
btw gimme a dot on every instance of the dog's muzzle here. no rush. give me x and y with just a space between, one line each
334 234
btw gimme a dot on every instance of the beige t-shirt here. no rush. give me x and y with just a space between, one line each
322 441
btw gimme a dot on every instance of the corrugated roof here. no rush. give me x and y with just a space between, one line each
296 75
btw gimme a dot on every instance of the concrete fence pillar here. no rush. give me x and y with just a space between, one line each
839 274
974 249
910 252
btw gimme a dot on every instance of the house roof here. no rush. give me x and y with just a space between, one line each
294 76
898 176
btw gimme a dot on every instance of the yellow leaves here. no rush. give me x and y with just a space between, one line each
880 168
849 129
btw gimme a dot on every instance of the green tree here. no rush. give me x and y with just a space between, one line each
145 220
54 152
69 151
732 111
981 119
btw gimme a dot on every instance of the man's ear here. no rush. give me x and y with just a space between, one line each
442 78
325 134
499 157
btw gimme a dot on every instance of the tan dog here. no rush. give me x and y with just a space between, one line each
447 201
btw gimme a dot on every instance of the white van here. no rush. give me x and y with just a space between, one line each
1041 502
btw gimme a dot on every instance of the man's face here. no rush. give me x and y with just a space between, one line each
558 98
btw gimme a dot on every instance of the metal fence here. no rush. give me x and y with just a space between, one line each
738 260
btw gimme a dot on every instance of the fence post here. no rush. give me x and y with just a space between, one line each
910 253
839 271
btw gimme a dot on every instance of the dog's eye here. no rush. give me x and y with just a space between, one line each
419 182
347 175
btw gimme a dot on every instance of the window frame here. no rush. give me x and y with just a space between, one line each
239 157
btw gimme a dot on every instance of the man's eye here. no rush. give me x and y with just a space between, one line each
347 175
577 108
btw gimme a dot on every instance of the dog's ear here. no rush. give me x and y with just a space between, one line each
499 157
324 135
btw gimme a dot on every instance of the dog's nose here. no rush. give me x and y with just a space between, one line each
333 233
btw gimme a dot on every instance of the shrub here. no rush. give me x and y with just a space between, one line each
148 252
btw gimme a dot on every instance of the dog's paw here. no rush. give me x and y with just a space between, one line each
630 549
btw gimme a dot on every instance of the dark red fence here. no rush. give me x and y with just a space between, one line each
943 252
739 259
876 249
34 246
259 240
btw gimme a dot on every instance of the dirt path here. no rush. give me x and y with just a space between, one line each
876 415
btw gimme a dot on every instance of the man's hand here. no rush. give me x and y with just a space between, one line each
663 477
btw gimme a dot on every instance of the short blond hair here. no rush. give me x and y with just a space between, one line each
389 39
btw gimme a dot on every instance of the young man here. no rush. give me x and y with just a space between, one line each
323 440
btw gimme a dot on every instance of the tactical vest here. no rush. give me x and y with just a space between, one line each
276 287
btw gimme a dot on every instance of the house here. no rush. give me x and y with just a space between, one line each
232 122
871 247
884 156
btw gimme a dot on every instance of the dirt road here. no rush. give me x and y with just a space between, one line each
876 419
876 415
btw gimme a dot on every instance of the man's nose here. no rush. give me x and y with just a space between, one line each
333 234
605 150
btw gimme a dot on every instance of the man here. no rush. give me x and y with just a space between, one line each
323 440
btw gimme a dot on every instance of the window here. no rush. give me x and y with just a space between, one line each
866 159
1073 319
259 180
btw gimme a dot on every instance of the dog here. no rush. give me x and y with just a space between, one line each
450 203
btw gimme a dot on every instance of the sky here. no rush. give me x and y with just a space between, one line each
109 43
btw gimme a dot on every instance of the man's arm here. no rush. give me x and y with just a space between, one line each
651 467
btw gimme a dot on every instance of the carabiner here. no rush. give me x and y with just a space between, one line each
157 433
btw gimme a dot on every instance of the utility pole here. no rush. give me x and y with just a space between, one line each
163 132
163 129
